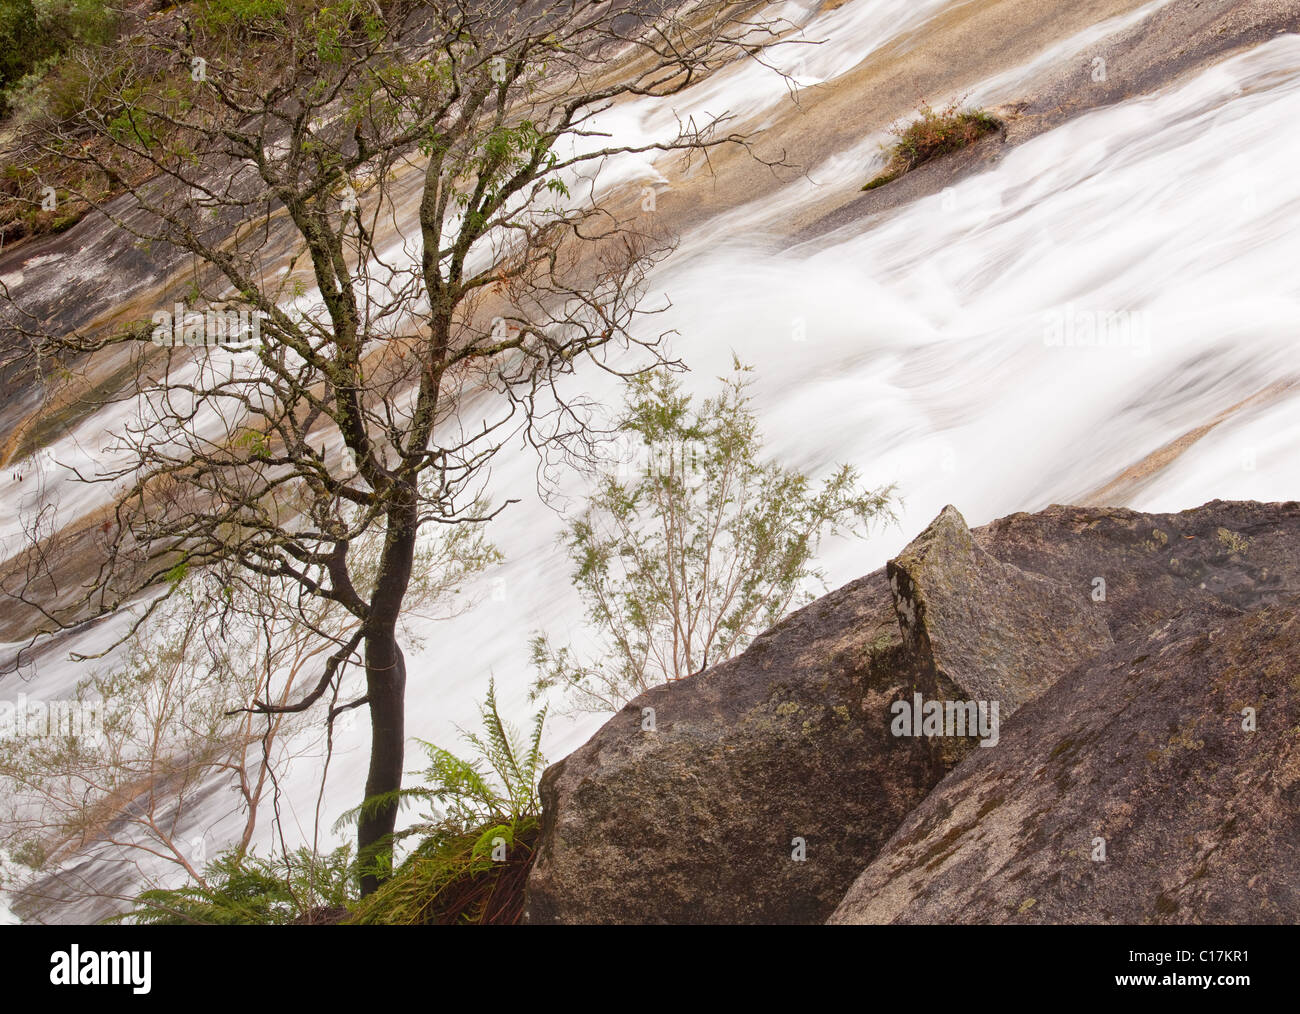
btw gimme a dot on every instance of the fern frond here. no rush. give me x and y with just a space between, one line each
375 804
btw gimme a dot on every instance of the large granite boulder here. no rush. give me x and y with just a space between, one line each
759 791
697 820
1159 783
770 781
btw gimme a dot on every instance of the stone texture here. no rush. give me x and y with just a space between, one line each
695 821
1144 748
1241 554
988 627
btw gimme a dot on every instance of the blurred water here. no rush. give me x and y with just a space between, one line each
917 348
939 346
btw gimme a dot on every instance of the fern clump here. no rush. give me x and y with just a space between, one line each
240 889
469 866
477 840
474 878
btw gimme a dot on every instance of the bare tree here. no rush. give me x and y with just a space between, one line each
407 198
168 725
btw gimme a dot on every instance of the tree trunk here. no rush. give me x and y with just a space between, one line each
386 686
386 690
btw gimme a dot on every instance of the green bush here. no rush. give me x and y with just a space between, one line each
688 555
35 33
932 134
225 14
239 889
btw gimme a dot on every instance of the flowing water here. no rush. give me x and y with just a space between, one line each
1034 334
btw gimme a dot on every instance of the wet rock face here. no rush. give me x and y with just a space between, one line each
1138 789
760 790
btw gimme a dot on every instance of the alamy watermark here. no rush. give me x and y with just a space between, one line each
919 717
1070 327
683 460
228 328
75 967
31 717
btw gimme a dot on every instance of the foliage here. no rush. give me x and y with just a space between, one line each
479 808
156 732
685 561
497 785
239 888
932 134
488 806
385 392
453 879
172 718
218 14
35 33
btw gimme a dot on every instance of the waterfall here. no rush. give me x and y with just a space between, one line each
1108 313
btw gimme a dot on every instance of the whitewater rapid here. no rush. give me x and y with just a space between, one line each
927 347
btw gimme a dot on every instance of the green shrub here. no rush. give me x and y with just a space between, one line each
35 33
931 135
239 889
685 558
216 15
